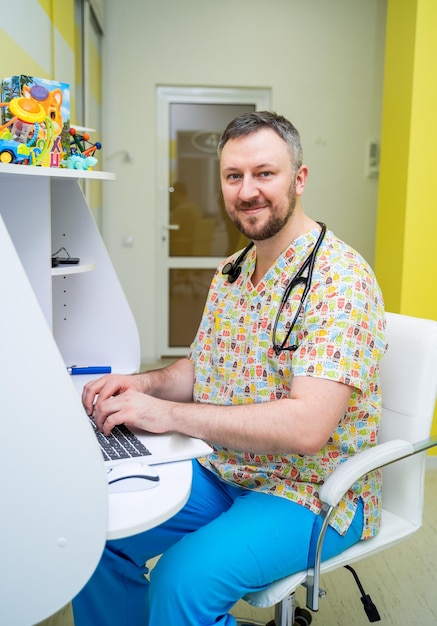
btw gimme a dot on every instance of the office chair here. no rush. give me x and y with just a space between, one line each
409 392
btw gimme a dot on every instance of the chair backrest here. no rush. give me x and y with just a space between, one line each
409 391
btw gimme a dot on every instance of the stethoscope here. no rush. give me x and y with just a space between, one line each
233 270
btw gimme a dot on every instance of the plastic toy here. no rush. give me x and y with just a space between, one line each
79 162
36 111
81 156
15 152
19 136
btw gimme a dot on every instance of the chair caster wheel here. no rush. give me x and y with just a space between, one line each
302 617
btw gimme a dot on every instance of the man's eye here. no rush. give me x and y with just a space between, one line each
264 174
234 176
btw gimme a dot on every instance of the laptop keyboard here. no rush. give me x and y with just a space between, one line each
120 444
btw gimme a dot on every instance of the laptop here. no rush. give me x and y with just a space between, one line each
124 444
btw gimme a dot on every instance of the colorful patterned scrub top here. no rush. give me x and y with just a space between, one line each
340 337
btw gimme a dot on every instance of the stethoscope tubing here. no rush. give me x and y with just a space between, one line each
298 278
233 270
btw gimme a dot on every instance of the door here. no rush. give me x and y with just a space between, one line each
195 233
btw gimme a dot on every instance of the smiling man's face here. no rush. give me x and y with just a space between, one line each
258 183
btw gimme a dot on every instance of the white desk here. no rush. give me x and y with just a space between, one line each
133 512
54 508
137 511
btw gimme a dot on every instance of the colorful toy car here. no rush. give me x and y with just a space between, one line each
16 152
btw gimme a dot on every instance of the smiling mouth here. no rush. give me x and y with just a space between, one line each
246 208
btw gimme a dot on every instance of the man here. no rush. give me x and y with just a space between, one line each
283 391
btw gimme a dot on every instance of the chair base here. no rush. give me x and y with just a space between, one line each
302 617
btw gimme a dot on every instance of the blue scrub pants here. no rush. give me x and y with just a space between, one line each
225 542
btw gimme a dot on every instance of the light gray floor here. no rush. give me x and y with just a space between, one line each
402 582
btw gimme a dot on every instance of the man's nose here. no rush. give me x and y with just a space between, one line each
249 189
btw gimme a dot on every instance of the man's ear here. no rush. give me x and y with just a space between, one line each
301 178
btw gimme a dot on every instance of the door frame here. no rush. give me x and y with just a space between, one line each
165 96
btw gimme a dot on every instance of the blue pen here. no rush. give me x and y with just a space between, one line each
91 369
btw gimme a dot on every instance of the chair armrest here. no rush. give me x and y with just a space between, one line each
336 486
353 468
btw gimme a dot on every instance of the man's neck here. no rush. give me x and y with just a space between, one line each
269 250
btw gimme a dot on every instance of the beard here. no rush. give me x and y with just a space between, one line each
272 227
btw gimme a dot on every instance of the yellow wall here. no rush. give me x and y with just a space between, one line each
406 259
49 36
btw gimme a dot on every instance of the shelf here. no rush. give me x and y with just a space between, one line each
54 172
43 210
65 270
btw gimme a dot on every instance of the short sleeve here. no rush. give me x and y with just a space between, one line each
341 333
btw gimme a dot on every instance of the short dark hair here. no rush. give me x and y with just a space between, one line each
252 122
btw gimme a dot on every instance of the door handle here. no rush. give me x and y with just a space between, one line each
172 227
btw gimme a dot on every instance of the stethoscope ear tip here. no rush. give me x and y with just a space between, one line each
232 273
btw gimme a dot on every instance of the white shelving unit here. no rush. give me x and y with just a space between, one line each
44 209
65 270
53 484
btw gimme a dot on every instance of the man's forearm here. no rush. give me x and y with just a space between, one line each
174 382
301 424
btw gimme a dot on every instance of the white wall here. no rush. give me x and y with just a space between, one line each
322 59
